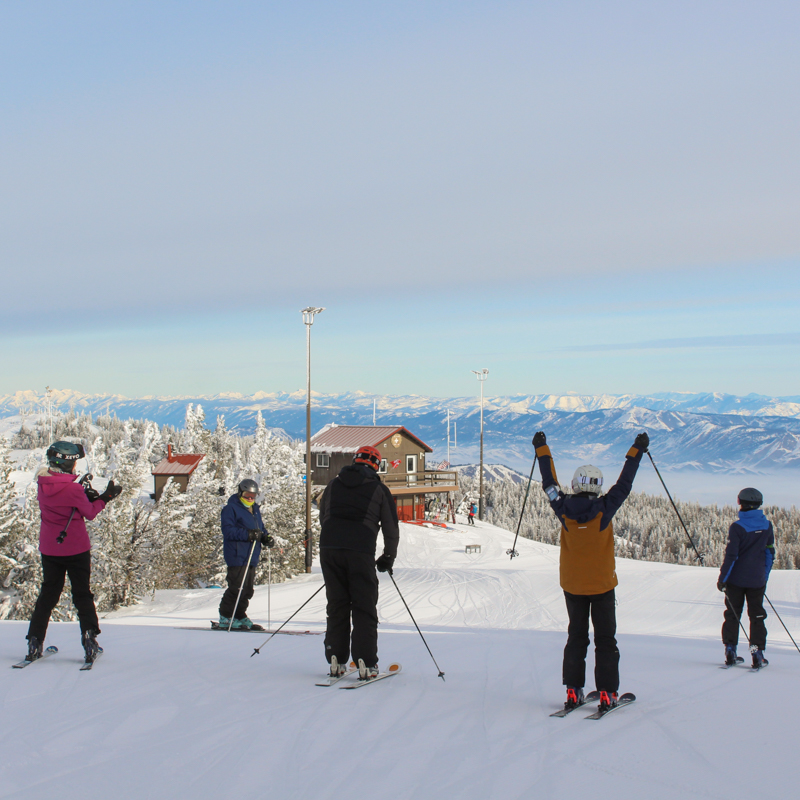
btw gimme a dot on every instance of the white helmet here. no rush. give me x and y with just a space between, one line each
587 479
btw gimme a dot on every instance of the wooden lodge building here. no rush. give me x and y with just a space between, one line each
178 466
402 467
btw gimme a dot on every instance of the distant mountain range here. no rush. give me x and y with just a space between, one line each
706 431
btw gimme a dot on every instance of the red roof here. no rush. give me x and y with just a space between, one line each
348 438
178 464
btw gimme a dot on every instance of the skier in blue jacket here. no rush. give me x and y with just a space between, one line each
744 573
243 531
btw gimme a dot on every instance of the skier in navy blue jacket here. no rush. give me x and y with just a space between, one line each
744 573
243 532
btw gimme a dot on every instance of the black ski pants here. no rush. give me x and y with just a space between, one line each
351 586
602 608
54 572
228 605
755 610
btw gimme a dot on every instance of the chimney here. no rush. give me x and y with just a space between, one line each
169 452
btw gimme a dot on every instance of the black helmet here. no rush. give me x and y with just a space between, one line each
750 499
248 485
63 455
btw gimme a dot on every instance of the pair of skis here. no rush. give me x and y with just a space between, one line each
392 669
593 697
215 626
51 651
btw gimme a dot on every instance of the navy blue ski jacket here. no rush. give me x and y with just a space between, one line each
750 551
237 522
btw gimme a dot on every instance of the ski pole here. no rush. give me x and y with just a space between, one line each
258 649
513 551
699 556
269 588
781 621
244 578
441 674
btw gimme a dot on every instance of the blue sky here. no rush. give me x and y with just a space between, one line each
587 196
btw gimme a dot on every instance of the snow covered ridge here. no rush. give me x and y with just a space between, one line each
689 402
706 432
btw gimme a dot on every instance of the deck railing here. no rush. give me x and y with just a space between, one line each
428 478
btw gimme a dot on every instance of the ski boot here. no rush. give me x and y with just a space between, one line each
731 659
366 673
608 700
574 697
337 669
34 649
225 622
758 659
90 646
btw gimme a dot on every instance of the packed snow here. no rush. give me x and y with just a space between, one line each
174 713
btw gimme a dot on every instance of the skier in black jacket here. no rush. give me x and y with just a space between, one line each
354 506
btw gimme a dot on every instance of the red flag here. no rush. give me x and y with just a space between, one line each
396 464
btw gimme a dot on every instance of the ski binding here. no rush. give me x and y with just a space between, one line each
590 698
625 700
392 669
49 651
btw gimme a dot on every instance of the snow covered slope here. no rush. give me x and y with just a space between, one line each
171 713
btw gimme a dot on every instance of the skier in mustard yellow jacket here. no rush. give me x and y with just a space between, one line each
587 569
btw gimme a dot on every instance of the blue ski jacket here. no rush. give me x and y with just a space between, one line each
750 551
237 522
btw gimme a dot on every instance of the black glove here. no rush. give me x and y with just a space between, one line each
642 442
539 439
253 535
91 494
267 540
721 585
384 563
112 490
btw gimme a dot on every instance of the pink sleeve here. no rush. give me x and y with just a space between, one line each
81 502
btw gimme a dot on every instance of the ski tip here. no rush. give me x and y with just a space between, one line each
394 668
51 649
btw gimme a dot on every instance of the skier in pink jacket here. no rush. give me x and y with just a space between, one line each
65 547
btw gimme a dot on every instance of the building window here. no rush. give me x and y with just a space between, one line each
384 466
411 463
323 460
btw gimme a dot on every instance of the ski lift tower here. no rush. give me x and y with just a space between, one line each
481 376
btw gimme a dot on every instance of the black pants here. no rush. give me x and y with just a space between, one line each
351 586
54 571
228 602
602 608
755 610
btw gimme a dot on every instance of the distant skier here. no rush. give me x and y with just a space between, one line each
64 544
354 506
744 574
587 569
243 532
471 514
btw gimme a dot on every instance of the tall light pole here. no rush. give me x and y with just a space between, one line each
308 319
481 376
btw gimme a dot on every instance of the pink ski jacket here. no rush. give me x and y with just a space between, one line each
58 495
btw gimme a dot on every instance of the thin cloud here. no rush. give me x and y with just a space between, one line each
694 342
